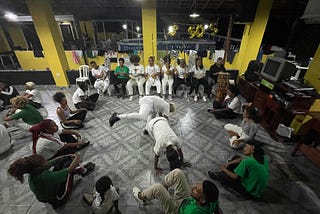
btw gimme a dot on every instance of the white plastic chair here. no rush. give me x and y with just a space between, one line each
83 74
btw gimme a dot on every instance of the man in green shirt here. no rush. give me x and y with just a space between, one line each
122 74
249 176
202 199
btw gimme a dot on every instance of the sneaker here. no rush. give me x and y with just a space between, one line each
88 198
135 192
89 167
204 99
113 119
130 98
195 98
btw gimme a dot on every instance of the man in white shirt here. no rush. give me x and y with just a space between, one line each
182 75
101 74
165 141
149 105
153 74
136 74
33 95
81 99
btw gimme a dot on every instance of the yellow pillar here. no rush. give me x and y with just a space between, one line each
253 34
50 38
4 44
16 34
149 29
313 74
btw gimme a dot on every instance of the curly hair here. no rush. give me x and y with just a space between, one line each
19 102
26 165
58 97
134 59
253 113
103 185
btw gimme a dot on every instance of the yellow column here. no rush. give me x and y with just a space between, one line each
313 74
149 29
4 45
16 34
253 34
50 38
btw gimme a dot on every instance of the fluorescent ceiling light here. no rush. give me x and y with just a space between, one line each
138 28
124 26
194 15
170 29
206 26
11 16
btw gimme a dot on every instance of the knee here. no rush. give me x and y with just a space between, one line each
227 126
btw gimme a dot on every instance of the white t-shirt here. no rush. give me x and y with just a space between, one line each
49 147
182 71
100 70
136 70
159 105
152 69
198 73
235 105
164 70
36 96
159 129
77 94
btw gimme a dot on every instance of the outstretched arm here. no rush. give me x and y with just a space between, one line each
156 168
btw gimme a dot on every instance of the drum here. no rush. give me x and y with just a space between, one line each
222 85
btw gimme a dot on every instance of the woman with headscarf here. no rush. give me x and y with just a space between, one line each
50 142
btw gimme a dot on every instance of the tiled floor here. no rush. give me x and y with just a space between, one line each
125 154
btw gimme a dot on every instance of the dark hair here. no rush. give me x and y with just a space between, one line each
258 152
30 164
220 58
253 113
58 96
102 185
134 59
201 66
234 89
152 57
210 191
83 86
173 158
121 59
166 58
92 62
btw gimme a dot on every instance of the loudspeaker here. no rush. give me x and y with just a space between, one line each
246 10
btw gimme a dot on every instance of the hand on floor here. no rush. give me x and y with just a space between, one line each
158 171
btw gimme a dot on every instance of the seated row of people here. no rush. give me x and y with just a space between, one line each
173 77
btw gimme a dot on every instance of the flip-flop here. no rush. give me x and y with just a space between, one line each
89 167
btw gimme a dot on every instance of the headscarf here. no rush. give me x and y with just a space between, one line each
36 130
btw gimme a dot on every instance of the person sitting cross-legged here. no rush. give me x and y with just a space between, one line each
53 187
105 197
201 199
149 105
33 95
81 100
165 140
247 129
248 176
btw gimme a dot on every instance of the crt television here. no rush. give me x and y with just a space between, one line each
277 69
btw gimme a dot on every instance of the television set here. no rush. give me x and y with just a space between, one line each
277 69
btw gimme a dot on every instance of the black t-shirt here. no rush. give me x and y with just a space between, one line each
216 69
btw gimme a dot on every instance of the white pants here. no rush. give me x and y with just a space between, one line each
137 81
237 129
102 85
144 114
166 81
153 82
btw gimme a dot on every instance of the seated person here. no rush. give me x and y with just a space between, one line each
230 107
101 73
137 76
53 187
182 76
165 140
81 100
247 129
105 197
198 73
213 73
249 176
6 93
122 74
22 114
63 111
152 72
50 142
168 78
201 199
148 105
33 95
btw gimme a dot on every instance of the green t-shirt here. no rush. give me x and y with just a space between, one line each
28 114
47 185
189 206
254 176
123 69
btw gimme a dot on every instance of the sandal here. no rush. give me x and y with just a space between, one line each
214 175
89 167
